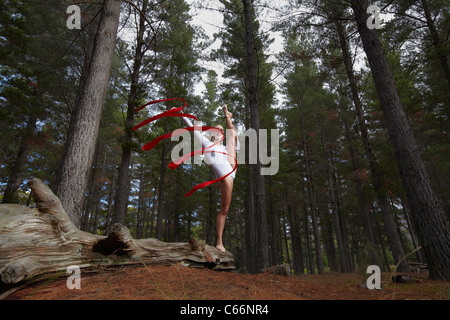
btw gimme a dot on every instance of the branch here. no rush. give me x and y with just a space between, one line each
142 14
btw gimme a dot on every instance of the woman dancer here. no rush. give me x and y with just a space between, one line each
222 164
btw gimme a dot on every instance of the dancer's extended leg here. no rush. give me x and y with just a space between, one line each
231 137
226 185
226 188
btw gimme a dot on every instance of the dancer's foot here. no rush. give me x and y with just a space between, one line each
221 248
227 113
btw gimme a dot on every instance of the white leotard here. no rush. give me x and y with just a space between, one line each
216 160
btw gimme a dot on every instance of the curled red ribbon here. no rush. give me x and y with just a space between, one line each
174 164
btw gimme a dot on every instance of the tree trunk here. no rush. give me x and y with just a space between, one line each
275 256
326 233
341 215
152 216
212 211
310 260
428 217
297 255
362 200
345 268
250 225
387 266
312 205
288 256
109 210
416 245
262 244
162 190
394 239
44 240
93 189
73 173
176 216
14 181
141 211
120 206
436 40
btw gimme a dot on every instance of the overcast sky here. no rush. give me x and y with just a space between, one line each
206 14
211 20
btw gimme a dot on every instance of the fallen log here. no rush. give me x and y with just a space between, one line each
36 241
280 269
417 267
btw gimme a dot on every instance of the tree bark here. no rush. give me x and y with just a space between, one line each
112 187
41 241
92 199
419 253
394 239
275 256
122 192
141 211
310 260
250 234
362 200
14 181
73 173
312 204
288 256
212 211
428 216
297 254
250 225
162 190
345 268
262 244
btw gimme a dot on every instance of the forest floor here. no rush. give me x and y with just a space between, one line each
180 283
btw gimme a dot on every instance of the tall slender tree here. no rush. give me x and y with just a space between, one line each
243 53
177 71
394 240
141 46
262 246
73 172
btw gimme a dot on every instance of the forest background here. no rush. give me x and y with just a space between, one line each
341 199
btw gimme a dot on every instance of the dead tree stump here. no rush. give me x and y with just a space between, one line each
37 241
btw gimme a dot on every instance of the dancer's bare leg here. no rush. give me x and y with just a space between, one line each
231 137
226 188
226 185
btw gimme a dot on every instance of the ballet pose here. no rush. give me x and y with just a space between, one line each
222 161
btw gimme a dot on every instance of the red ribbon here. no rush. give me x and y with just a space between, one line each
174 164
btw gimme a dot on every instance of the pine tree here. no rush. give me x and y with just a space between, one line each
176 72
135 95
242 51
31 97
79 147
